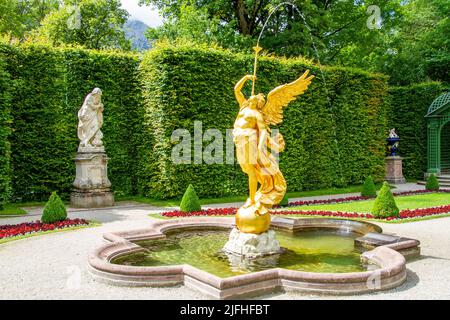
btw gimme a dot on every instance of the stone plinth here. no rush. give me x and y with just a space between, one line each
91 185
252 245
394 170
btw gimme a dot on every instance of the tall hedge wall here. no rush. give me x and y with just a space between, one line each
334 133
332 142
409 105
49 87
5 130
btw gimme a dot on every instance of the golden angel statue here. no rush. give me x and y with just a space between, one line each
251 135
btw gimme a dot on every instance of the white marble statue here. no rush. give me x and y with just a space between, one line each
90 121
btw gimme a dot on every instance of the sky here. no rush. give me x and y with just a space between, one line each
145 14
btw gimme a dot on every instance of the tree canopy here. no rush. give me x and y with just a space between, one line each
17 18
390 36
94 24
405 39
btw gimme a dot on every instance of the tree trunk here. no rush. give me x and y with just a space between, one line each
242 17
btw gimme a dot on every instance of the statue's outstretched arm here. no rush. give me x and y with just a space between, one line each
238 88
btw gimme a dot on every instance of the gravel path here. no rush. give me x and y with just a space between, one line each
54 266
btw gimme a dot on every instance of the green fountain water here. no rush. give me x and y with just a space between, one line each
312 251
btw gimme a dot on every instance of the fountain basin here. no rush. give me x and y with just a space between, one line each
388 269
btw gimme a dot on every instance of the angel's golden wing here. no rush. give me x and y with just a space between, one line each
281 96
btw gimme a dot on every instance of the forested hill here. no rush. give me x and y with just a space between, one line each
135 32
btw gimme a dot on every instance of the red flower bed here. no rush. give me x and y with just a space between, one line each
404 214
325 213
206 212
326 201
8 231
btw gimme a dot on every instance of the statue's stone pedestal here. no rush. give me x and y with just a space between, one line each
394 170
91 185
252 245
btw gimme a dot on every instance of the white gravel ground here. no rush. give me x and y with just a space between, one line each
54 266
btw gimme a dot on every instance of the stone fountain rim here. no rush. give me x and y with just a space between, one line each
391 272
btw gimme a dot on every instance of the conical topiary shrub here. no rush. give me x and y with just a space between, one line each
369 189
190 201
432 183
385 205
285 201
54 210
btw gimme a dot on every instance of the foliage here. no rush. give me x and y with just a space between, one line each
419 49
94 24
409 105
187 83
190 201
405 39
54 210
369 189
49 88
18 18
192 25
195 25
385 205
432 183
5 130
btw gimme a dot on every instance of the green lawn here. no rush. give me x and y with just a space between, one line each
403 202
11 209
176 202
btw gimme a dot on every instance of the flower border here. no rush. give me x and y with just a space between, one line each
29 228
404 214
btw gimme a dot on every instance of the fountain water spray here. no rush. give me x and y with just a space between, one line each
257 49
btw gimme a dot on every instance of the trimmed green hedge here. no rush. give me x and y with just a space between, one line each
369 189
49 87
409 105
5 130
328 143
190 201
334 133
384 205
432 183
54 210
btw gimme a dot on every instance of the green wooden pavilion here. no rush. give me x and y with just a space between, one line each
438 145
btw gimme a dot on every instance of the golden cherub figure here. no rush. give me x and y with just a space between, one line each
251 136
